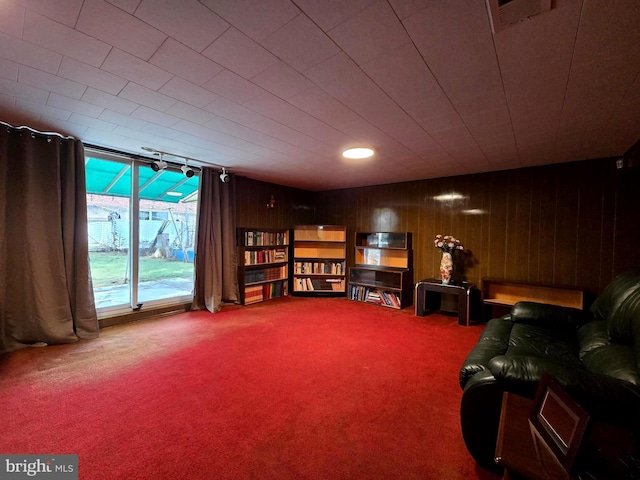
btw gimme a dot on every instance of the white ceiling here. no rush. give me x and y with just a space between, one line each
276 89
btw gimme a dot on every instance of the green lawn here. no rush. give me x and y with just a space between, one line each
109 268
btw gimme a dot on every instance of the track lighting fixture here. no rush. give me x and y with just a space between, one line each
224 176
158 164
186 169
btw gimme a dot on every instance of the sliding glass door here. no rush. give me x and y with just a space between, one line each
141 233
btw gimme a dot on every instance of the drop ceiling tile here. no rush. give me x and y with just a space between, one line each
61 126
189 112
341 78
12 19
406 8
370 33
65 40
132 68
42 109
240 54
93 77
282 80
128 6
233 87
26 53
122 120
63 11
184 62
535 59
224 125
147 138
8 69
301 44
330 13
188 21
47 81
229 109
112 102
91 122
188 92
323 106
446 31
283 112
403 75
115 27
22 91
73 105
255 18
145 96
161 131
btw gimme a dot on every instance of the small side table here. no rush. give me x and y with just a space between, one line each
461 289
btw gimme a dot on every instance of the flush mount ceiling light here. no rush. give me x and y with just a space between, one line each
357 153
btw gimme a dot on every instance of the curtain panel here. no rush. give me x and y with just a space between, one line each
46 295
216 280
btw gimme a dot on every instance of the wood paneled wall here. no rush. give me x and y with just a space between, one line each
574 224
292 206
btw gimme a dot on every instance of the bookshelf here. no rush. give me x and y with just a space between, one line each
383 271
319 260
263 264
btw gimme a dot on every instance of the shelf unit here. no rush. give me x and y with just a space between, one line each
263 263
383 271
319 260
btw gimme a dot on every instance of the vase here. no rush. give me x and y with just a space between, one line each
446 267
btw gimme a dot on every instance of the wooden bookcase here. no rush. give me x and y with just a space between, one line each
263 263
319 260
383 271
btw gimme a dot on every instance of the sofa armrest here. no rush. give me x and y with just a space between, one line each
549 316
493 341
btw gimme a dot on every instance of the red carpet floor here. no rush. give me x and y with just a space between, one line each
293 388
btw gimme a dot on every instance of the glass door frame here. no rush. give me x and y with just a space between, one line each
134 239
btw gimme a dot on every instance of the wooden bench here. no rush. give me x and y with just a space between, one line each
504 294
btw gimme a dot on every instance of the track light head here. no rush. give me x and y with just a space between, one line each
158 165
224 176
187 170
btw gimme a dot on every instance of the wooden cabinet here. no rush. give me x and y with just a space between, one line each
383 271
263 264
319 254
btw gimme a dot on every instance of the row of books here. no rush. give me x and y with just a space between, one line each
258 293
253 237
372 295
331 268
265 274
254 257
302 284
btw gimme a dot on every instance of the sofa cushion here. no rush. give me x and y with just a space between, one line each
614 360
554 317
493 341
618 303
593 335
534 341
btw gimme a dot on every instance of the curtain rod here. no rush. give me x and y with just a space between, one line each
39 132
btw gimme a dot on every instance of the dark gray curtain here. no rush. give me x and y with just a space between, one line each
46 294
216 280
